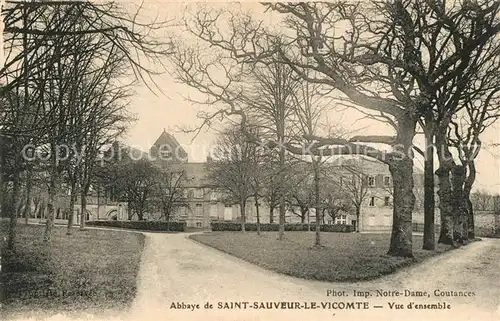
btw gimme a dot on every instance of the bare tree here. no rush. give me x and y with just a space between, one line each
350 176
465 107
482 200
170 192
39 42
379 48
480 109
310 107
334 201
233 168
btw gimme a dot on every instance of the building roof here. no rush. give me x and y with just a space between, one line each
120 151
165 139
196 173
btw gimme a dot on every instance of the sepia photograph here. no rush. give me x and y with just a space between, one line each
183 160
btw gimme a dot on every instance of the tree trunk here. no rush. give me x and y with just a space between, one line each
14 201
83 213
271 213
98 201
303 213
460 233
242 214
445 192
308 220
470 220
429 202
3 183
281 232
281 189
29 187
358 218
4 207
49 224
258 214
83 202
404 200
166 213
41 211
317 240
467 190
71 209
401 168
131 211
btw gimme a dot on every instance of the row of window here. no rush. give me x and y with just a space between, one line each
387 201
371 181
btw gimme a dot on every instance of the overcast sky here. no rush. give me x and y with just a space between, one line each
169 110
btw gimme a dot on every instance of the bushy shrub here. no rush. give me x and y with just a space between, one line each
268 227
142 225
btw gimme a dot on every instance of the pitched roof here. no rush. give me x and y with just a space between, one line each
165 139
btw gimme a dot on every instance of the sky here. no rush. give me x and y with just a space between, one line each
169 110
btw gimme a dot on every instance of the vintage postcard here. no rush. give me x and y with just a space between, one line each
249 161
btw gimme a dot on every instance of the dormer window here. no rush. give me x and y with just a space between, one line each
165 152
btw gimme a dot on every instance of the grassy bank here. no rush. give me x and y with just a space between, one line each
343 256
89 271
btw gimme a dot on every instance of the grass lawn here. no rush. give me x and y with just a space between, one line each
88 271
343 257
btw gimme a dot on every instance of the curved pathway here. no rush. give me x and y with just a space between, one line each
177 270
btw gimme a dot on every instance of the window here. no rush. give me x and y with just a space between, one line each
213 196
372 201
214 210
165 152
166 155
199 210
342 219
387 181
198 224
387 201
198 193
371 181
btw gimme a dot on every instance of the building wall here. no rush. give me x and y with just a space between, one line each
204 205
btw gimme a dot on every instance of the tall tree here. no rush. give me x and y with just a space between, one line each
379 47
351 177
40 38
170 192
233 167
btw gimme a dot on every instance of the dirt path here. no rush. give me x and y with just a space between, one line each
178 270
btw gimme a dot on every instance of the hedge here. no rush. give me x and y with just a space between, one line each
478 230
267 227
142 225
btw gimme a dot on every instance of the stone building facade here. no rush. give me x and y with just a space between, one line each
205 203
